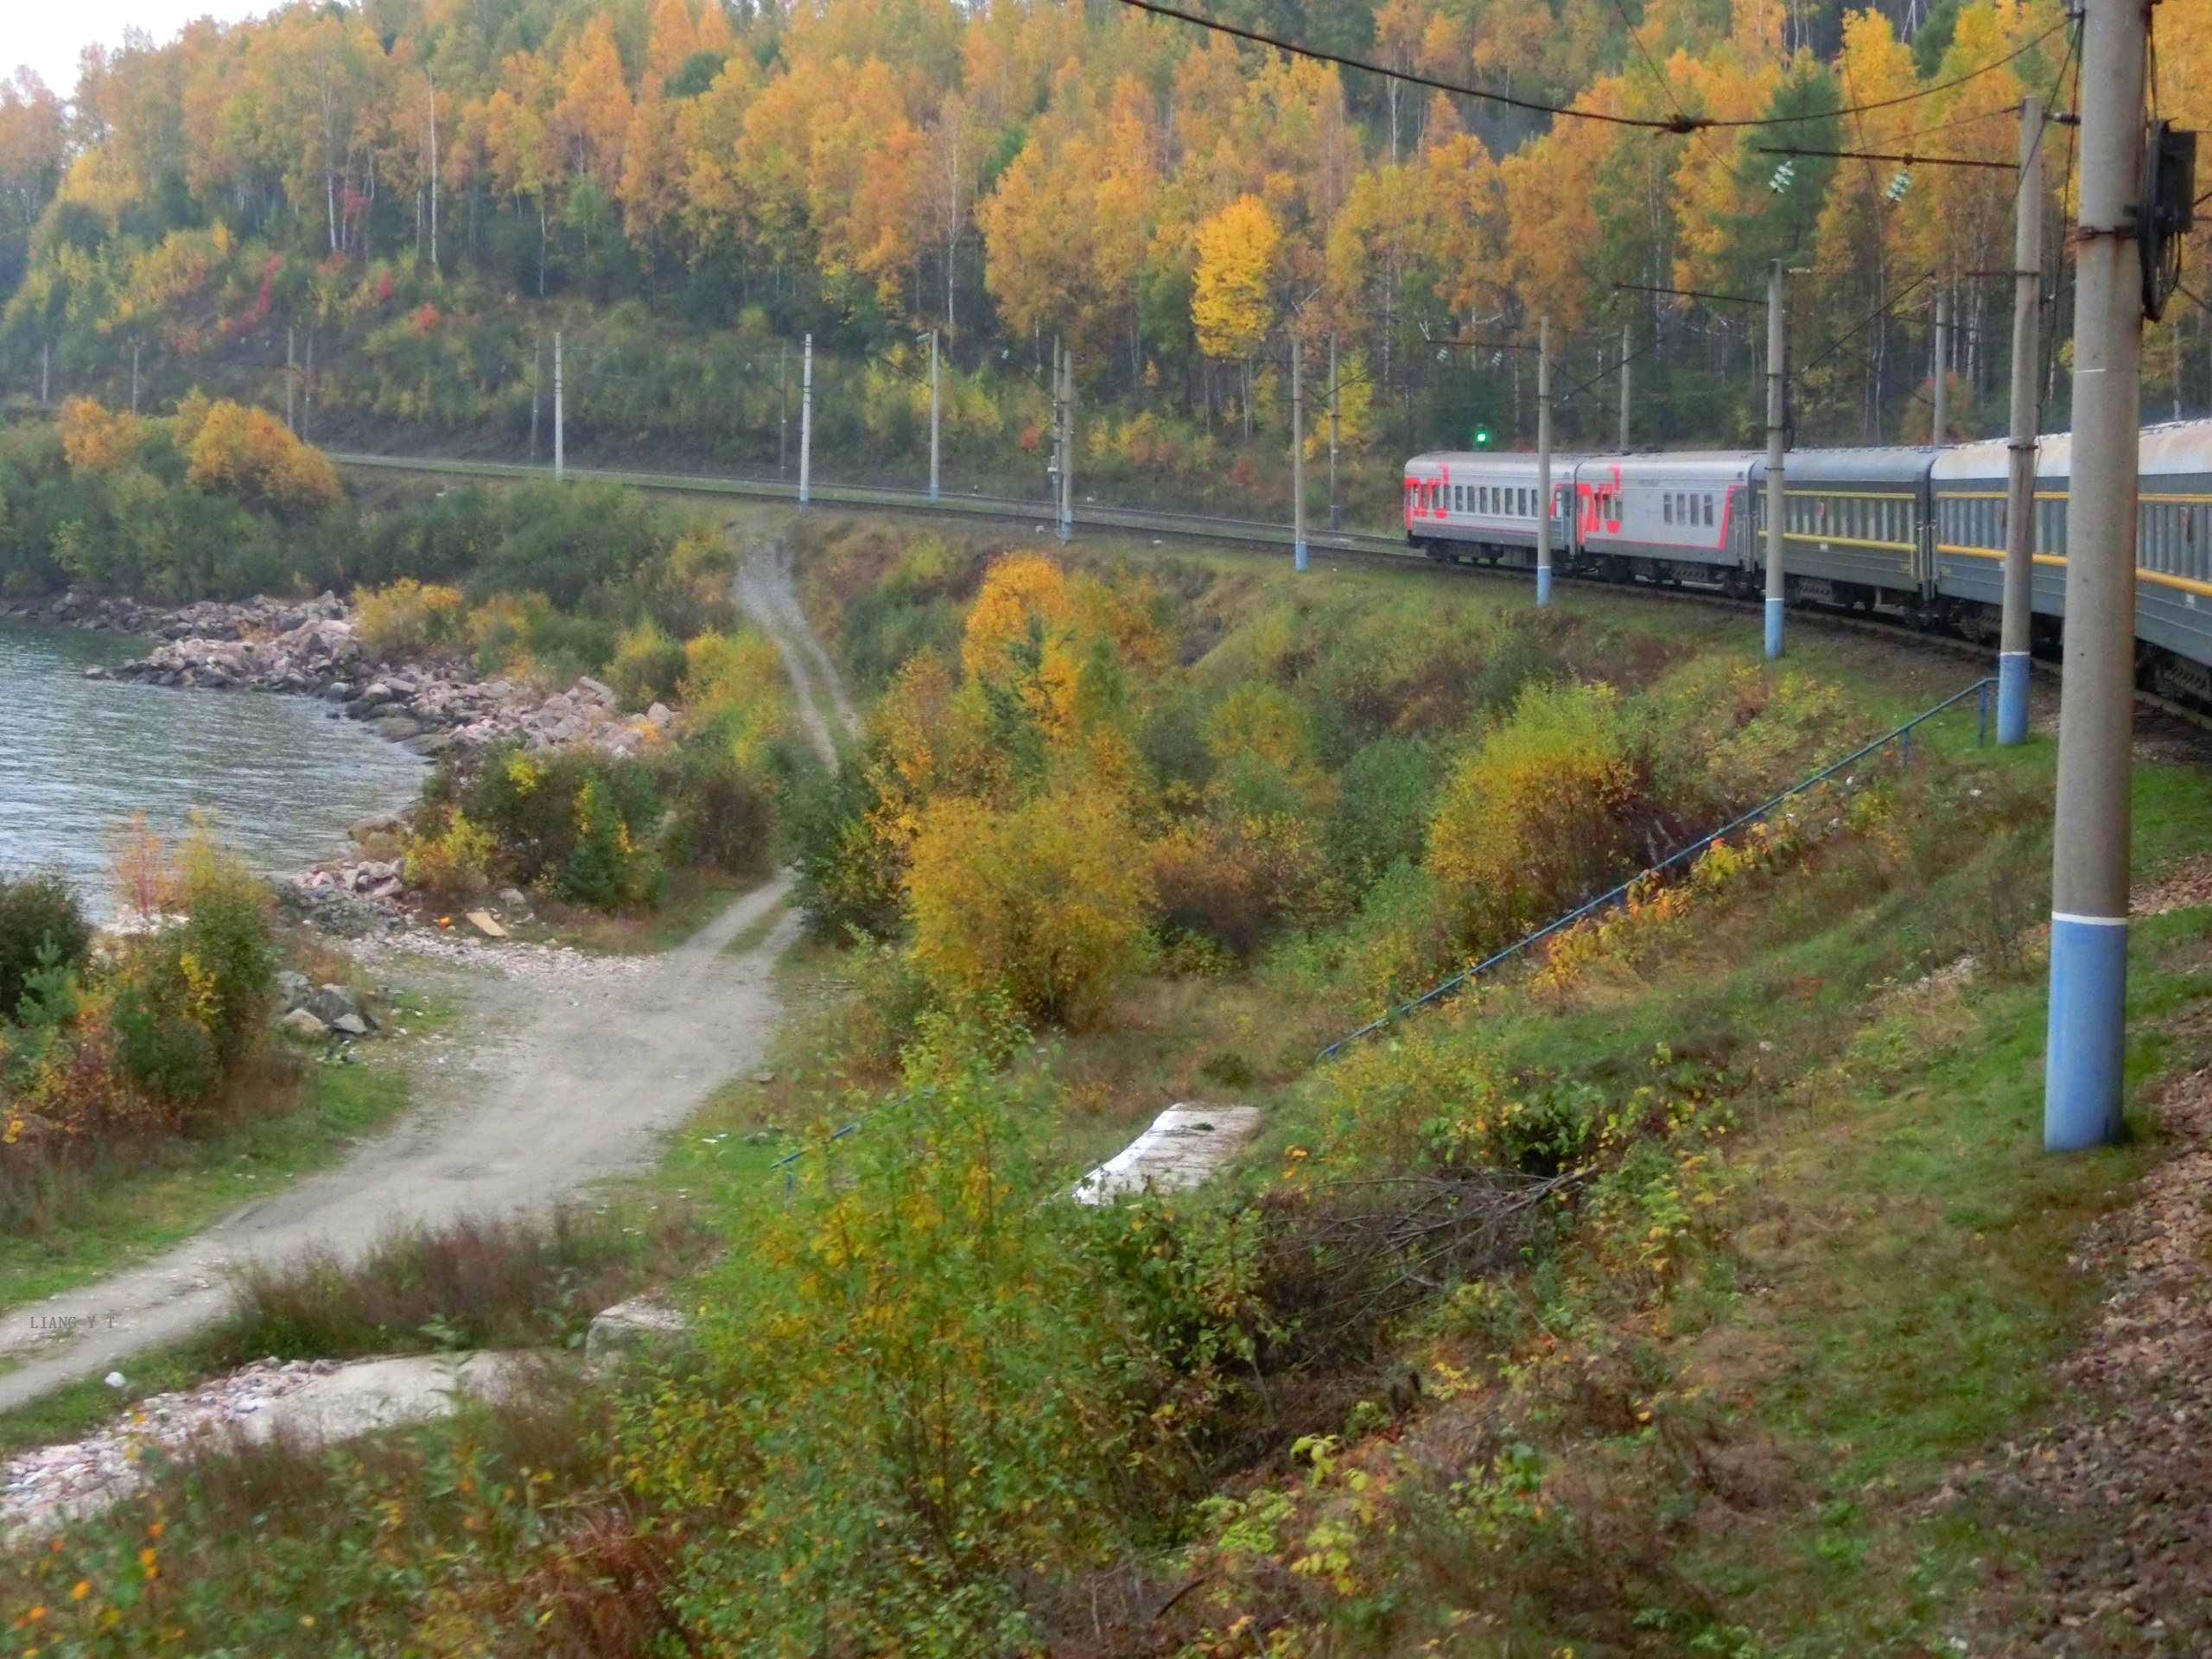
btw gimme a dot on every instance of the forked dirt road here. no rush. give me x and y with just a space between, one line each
561 1079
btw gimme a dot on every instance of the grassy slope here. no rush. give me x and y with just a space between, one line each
1879 1302
1894 1280
147 1211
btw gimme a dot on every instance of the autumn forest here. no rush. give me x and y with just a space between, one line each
407 199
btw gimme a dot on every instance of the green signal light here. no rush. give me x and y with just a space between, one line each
1482 436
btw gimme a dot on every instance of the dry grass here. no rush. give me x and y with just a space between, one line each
513 1282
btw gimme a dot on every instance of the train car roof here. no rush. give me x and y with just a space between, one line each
2171 447
1560 458
1665 463
1874 464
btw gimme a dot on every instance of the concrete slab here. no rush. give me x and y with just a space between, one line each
375 1393
1182 1149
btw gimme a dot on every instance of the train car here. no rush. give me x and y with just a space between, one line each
1466 506
1970 500
1855 529
1667 518
2173 547
1919 532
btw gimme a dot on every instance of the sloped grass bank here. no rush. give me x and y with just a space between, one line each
1658 1300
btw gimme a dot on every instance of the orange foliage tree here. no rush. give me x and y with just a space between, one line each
249 455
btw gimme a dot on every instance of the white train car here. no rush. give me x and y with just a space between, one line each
1471 507
1667 518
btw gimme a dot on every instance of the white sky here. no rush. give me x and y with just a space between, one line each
48 35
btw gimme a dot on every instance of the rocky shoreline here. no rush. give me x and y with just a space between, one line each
309 648
435 706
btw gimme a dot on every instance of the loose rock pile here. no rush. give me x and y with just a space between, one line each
310 1010
311 650
55 1483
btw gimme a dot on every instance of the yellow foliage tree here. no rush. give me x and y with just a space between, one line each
248 454
98 439
1231 299
1044 904
1533 817
1021 632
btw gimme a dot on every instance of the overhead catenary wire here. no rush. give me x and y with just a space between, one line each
1679 122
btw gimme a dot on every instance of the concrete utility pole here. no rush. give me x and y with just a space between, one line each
1776 437
2020 510
1297 454
1939 421
805 419
45 373
287 381
1059 435
291 378
937 391
560 433
1624 355
306 391
431 83
1067 444
2088 887
1336 512
1543 460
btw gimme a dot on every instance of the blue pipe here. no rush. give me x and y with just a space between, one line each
1773 627
2011 697
1298 554
2087 1033
1543 584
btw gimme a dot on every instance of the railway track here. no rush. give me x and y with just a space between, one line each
1376 546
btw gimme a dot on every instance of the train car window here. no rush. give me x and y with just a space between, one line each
1708 510
1667 509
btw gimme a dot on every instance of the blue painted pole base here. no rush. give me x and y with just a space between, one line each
2088 1036
1773 627
1543 584
2011 697
1298 554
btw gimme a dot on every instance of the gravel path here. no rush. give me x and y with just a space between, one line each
764 588
570 1071
564 1079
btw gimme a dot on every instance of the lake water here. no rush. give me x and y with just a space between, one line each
278 781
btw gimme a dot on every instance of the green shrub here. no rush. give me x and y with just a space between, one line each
725 813
604 866
647 667
919 1392
191 996
42 927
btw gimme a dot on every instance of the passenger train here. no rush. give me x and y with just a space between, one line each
1917 533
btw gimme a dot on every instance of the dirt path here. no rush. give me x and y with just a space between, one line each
568 1084
764 588
561 1079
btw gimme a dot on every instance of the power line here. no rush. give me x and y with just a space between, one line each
1687 293
1678 122
1908 159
